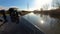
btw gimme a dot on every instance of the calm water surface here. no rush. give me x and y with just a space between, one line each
45 23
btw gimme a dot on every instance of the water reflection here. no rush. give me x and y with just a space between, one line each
45 23
42 22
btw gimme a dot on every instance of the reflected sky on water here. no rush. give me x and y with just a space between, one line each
44 22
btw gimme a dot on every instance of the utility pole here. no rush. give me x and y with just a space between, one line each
27 5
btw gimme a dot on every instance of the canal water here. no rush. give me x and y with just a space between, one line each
45 23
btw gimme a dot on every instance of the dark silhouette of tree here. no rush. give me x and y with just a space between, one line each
11 10
16 17
4 16
14 14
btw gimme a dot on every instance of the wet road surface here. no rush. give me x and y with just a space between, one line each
24 27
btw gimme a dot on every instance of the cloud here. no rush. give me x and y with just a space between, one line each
13 7
6 8
2 7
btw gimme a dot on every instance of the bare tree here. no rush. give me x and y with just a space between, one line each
56 3
46 6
